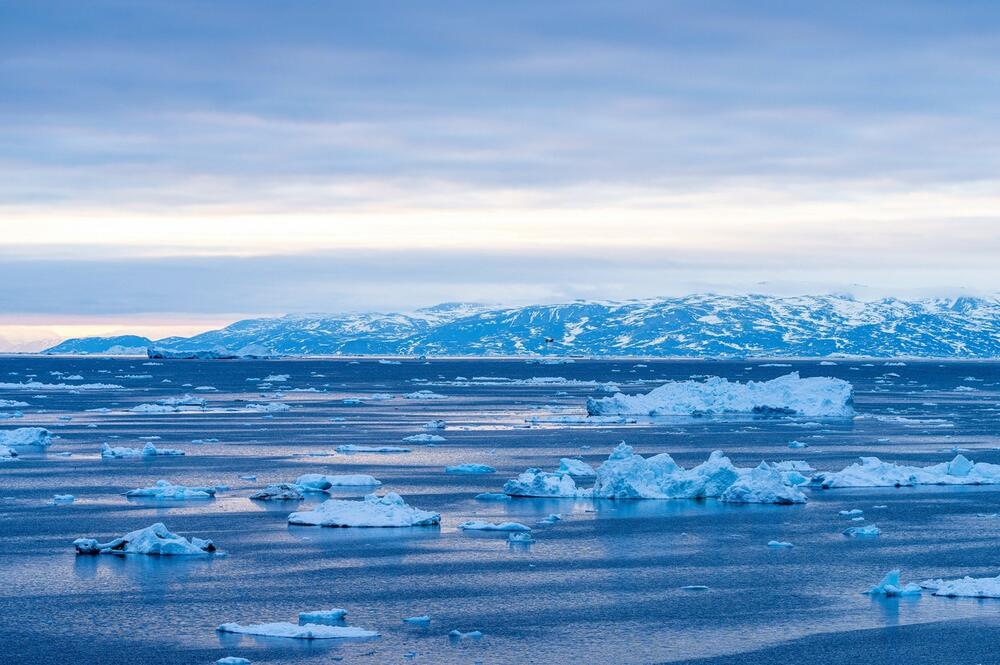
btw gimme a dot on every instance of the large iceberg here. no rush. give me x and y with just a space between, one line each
163 489
153 540
149 450
626 475
873 472
373 511
309 631
788 394
26 436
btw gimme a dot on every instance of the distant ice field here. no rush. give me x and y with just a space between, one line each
611 581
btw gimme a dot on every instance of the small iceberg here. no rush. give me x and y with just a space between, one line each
476 525
492 496
278 492
270 407
421 620
373 511
868 531
154 540
7 454
788 394
317 482
424 438
322 616
435 424
63 499
424 394
232 660
309 631
26 436
471 635
470 469
163 489
779 544
763 485
153 408
890 586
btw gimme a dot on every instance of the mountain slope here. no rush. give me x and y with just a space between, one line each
692 326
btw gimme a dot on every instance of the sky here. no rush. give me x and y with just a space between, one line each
169 166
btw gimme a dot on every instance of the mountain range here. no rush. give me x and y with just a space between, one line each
689 326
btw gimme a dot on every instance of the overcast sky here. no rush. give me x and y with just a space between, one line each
168 166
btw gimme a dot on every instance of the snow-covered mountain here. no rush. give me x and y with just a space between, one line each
691 326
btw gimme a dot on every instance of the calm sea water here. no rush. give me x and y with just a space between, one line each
605 584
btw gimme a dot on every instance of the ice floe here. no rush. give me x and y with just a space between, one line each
164 489
424 438
373 511
269 407
868 531
149 450
232 660
788 394
966 587
309 631
351 448
477 525
424 394
873 472
153 540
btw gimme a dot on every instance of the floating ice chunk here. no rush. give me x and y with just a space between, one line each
309 631
967 587
869 531
373 511
37 385
694 587
551 519
520 538
779 544
575 467
250 478
270 407
854 512
815 396
11 404
207 389
278 492
762 485
26 436
492 496
424 394
153 540
477 525
232 660
538 483
797 445
350 448
459 635
891 586
435 424
470 469
421 620
165 490
424 438
322 616
276 378
317 482
7 454
63 499
873 472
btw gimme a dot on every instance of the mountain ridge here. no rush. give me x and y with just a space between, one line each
690 326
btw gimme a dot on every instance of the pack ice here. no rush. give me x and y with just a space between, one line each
373 511
788 394
153 540
873 472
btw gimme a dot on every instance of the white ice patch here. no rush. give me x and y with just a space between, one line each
278 492
967 587
891 586
470 469
373 511
309 631
26 436
789 394
477 525
318 482
149 450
